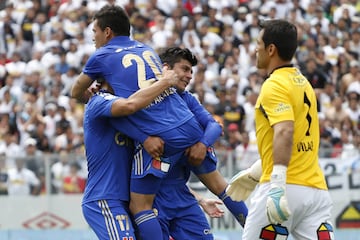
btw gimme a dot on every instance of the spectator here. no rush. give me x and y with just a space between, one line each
16 68
7 102
199 17
22 181
247 151
67 79
336 112
34 160
220 106
234 112
333 50
295 15
59 170
240 23
49 119
249 107
42 141
3 175
159 33
326 97
9 145
8 35
212 65
214 24
210 38
345 9
234 137
246 55
316 77
51 57
253 28
74 54
319 18
73 182
355 39
355 85
353 108
67 141
191 39
27 33
5 126
62 66
326 146
34 65
349 77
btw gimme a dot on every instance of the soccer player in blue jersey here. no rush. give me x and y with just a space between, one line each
128 66
178 211
109 154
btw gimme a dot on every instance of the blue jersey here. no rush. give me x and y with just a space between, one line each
212 130
108 153
128 65
178 211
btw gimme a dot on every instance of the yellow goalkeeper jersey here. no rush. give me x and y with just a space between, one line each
288 95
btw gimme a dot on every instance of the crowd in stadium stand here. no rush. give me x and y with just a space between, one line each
45 43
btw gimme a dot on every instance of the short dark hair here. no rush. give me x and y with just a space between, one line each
283 35
115 18
174 54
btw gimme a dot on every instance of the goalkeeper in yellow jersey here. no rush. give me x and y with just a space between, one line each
292 196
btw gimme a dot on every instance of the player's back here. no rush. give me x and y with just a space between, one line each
108 153
128 66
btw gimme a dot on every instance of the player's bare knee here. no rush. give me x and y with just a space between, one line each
140 202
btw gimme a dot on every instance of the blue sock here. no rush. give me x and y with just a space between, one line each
148 225
238 209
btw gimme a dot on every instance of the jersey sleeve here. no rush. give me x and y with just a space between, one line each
101 105
124 125
212 130
278 104
94 68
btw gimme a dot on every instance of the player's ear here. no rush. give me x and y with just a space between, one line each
166 65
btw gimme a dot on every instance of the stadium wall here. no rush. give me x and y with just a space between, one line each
59 216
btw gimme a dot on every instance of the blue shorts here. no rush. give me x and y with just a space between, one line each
179 214
208 165
109 219
147 173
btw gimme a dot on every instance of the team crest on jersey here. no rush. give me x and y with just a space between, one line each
274 232
325 232
298 78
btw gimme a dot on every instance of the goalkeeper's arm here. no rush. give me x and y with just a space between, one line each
243 183
277 208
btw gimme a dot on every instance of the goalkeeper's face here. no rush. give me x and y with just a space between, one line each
183 69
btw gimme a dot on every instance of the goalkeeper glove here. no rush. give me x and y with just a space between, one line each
244 183
277 208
